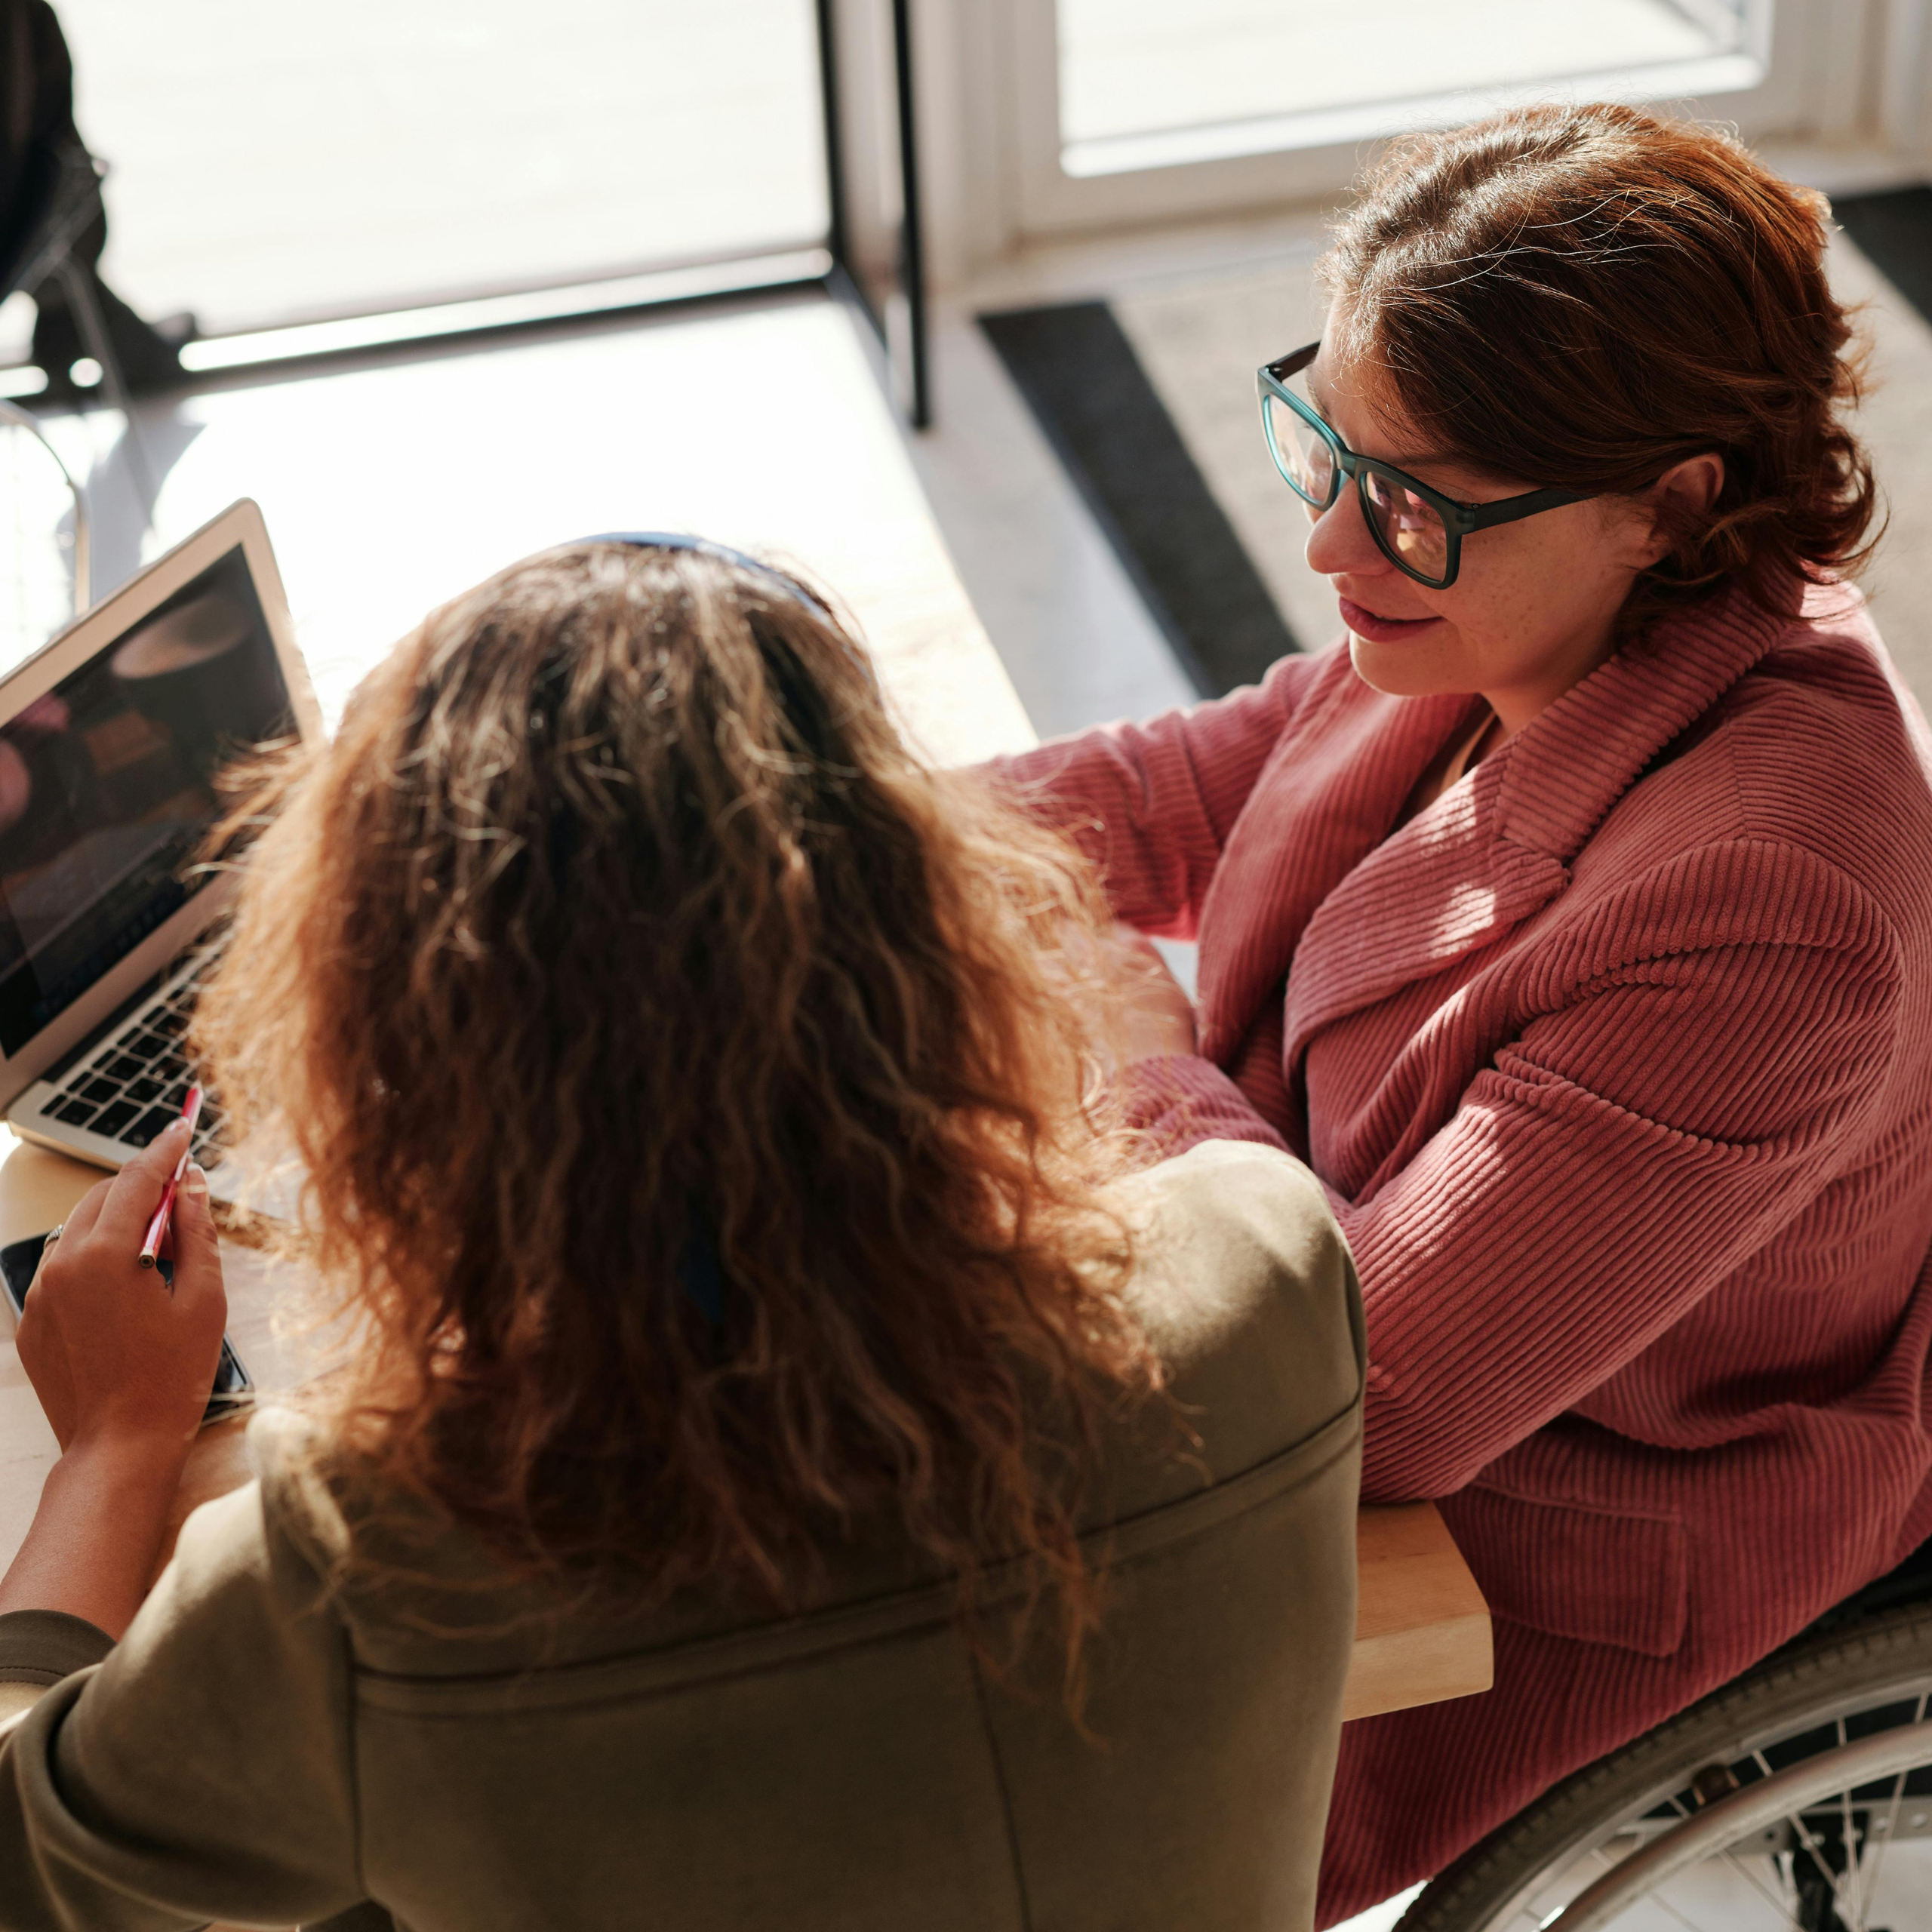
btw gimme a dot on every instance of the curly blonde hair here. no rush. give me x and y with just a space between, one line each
688 1094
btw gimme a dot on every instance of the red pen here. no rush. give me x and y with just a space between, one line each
191 1111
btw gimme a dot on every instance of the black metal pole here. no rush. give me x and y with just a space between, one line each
911 241
837 237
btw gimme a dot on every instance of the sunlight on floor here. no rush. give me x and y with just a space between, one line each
387 489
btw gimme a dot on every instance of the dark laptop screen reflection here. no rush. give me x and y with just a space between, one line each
106 788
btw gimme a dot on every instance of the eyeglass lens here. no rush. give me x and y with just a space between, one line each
1411 528
1303 455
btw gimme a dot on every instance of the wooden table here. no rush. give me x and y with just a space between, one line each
1422 1629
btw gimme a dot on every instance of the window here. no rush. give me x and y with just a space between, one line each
1143 82
272 163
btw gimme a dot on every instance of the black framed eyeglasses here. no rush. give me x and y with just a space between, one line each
1419 530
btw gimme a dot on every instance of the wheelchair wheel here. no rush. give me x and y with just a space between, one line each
1798 1796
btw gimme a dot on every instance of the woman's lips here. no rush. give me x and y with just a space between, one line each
1381 630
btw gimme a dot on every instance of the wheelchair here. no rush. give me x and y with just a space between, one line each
1799 1796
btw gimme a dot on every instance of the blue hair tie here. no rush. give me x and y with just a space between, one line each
723 553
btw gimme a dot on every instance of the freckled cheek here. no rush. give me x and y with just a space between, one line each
1507 593
1521 606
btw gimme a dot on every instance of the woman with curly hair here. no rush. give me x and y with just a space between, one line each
1572 917
789 1464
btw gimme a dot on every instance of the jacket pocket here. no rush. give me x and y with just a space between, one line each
1594 1576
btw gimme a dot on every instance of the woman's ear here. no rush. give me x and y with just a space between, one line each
1685 490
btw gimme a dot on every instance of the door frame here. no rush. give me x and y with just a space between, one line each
877 227
1831 70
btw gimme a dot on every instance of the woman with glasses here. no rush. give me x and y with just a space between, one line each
1573 918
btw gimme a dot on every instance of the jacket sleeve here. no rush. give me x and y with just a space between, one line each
1180 1100
1152 804
201 1769
1639 1141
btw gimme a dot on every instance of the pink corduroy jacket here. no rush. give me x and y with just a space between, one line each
1616 1065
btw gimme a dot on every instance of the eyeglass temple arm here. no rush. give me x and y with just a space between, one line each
1293 364
1486 516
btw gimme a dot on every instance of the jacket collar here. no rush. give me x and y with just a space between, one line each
1561 774
1376 911
1325 799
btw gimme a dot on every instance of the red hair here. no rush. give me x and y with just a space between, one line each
1584 296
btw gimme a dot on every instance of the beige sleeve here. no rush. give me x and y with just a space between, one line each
202 1770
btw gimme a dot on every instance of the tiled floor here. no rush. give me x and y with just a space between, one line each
1074 636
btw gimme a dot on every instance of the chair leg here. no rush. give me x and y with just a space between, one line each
86 312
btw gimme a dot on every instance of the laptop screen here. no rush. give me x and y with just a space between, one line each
107 790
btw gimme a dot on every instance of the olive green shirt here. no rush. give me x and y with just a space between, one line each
269 1746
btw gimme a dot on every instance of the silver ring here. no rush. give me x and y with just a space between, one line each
52 1234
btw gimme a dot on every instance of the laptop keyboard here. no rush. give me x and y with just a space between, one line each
132 1085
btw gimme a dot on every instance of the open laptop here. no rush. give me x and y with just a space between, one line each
109 737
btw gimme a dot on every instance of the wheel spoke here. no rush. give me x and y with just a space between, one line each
1853 1855
1817 1852
1764 1891
1898 1798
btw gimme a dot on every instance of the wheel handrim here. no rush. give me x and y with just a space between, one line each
1805 1730
1791 1800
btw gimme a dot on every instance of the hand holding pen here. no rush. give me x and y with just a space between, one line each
191 1111
122 1365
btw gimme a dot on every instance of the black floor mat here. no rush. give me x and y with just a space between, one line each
1080 375
1893 230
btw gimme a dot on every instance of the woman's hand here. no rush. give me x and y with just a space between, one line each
115 1355
123 1365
